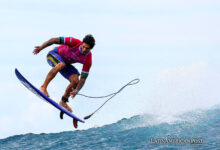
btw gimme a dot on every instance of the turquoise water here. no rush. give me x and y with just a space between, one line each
192 130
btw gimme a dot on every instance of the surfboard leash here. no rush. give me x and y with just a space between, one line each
132 82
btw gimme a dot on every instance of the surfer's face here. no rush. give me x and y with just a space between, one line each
85 48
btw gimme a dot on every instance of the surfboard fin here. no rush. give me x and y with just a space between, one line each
75 123
61 115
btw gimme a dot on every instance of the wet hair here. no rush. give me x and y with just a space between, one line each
89 39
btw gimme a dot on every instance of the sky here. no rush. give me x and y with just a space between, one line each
171 46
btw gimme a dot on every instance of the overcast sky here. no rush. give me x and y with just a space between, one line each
172 46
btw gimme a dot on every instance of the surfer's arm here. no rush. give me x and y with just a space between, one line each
80 84
70 41
51 41
85 72
78 87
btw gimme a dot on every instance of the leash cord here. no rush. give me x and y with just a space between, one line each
132 82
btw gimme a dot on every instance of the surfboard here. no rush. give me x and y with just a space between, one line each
38 93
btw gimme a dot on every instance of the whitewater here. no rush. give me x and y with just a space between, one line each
198 129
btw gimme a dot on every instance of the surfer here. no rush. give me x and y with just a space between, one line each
61 58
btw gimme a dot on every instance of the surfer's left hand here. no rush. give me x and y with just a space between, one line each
73 93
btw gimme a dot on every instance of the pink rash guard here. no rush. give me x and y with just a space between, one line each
70 51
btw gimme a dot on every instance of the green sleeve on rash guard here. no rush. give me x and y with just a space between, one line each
62 40
86 66
84 75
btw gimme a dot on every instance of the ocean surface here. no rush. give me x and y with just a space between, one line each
198 129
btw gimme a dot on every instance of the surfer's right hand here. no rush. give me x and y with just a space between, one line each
73 93
37 49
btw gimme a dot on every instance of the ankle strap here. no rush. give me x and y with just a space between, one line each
64 99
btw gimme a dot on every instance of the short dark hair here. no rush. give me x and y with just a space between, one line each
89 39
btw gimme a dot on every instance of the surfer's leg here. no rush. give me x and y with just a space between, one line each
64 104
50 76
55 61
74 80
73 83
70 73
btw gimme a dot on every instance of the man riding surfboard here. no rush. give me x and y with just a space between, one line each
70 51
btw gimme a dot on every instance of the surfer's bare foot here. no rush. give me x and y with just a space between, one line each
43 90
65 106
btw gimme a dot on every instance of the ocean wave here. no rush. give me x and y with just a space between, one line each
197 129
